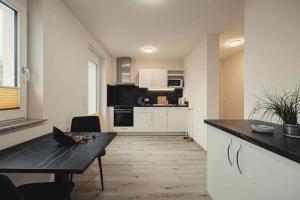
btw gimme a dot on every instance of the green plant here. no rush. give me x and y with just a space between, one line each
285 106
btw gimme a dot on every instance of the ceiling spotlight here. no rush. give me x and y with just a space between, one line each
148 50
235 42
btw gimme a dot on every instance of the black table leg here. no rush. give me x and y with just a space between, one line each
101 173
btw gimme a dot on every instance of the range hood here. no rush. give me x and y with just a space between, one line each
124 71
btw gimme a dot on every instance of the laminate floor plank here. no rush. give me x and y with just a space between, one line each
148 168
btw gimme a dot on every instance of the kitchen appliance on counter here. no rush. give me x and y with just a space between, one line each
142 101
123 116
182 101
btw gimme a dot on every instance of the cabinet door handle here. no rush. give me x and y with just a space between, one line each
237 159
228 151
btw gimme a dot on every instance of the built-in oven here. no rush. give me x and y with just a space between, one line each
176 83
123 116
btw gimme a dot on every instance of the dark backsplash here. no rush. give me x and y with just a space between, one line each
129 94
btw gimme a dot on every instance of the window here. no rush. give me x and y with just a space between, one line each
92 87
13 57
9 80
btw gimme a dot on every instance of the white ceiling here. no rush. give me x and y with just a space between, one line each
123 27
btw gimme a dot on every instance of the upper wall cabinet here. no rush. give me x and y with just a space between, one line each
145 78
153 78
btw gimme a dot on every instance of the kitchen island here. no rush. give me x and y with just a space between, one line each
246 165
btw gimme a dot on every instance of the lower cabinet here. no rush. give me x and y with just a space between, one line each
160 119
177 119
143 119
237 169
153 119
222 169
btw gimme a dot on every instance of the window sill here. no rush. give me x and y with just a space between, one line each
9 125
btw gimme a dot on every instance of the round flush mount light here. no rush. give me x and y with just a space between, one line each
148 50
235 42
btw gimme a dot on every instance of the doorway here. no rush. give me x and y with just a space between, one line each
232 83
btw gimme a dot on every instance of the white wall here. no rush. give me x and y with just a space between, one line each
272 56
232 86
138 63
66 57
202 85
61 75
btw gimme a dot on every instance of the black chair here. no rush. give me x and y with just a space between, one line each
89 124
34 191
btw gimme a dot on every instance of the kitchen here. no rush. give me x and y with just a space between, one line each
151 101
148 74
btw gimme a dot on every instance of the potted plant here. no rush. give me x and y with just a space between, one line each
285 106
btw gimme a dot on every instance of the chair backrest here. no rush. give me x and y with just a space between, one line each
8 190
86 124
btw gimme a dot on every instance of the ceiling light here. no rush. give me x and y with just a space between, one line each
148 50
235 42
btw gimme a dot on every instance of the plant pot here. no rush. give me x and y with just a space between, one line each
291 130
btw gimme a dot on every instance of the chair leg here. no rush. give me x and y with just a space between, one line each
71 178
101 173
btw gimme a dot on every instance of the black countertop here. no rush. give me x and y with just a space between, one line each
276 142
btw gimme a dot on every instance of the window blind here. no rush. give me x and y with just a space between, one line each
9 98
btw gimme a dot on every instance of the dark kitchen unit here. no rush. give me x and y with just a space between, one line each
123 116
128 95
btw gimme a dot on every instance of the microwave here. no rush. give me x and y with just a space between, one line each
176 83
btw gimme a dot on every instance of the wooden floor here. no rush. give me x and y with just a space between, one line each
149 168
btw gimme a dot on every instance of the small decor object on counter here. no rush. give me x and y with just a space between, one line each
285 106
81 138
291 130
162 100
61 138
262 128
69 140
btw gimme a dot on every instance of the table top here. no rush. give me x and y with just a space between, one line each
45 155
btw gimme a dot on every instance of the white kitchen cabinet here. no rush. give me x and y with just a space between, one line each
153 78
269 176
177 119
160 119
143 119
222 172
160 78
145 78
255 173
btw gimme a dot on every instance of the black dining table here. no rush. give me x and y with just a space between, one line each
45 155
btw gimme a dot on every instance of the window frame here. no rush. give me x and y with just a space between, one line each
20 10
